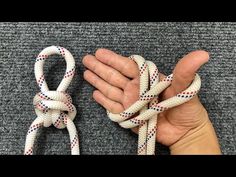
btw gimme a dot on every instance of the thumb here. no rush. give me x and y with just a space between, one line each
186 69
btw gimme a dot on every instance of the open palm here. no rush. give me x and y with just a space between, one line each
117 81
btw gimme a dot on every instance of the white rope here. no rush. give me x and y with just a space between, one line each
148 106
51 106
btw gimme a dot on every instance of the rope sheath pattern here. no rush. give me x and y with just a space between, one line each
53 107
148 105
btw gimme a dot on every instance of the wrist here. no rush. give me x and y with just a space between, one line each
200 140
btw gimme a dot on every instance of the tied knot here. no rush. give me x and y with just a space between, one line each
55 107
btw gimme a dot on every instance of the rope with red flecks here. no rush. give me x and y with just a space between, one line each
148 106
53 107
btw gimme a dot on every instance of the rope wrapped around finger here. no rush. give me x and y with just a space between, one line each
53 107
148 106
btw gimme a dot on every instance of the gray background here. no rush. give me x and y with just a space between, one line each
163 43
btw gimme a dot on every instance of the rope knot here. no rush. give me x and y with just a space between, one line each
55 106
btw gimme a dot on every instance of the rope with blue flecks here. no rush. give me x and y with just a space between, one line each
148 107
53 107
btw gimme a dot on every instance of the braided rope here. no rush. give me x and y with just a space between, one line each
51 106
148 106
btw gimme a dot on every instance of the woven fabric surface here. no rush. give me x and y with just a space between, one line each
163 43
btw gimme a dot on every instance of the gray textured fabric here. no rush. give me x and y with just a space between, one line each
163 43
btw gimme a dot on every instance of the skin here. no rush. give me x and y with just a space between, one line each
116 79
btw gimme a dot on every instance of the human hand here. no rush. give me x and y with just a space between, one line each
117 81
